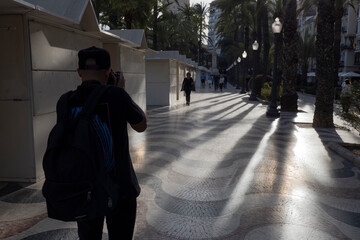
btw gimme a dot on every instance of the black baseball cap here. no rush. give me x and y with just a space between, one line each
94 58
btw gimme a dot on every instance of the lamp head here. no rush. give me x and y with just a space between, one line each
244 54
239 59
276 26
255 45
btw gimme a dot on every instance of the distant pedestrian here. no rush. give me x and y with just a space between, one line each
216 82
346 83
345 96
203 78
210 80
188 85
221 82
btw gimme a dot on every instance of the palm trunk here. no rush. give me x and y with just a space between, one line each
257 69
266 34
245 64
200 46
337 40
291 42
128 19
247 40
324 105
155 26
113 18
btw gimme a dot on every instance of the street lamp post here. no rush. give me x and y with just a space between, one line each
238 60
235 73
255 47
272 109
244 55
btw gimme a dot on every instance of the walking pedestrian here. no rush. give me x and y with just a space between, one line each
203 78
216 82
188 85
345 96
210 80
114 110
221 82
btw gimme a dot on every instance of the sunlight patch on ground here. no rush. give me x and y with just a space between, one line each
318 166
249 172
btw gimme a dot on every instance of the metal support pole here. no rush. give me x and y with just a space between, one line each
238 74
243 90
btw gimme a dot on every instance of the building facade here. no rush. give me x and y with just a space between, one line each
174 7
213 37
350 37
349 32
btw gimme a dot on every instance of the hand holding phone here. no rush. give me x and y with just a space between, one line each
116 79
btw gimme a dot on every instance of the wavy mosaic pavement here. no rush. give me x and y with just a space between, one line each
220 169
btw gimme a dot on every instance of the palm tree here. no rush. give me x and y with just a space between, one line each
323 116
337 14
277 11
258 34
233 26
340 6
189 31
337 11
266 37
200 11
119 14
159 14
291 44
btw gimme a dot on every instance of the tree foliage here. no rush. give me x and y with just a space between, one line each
120 14
234 18
165 30
241 23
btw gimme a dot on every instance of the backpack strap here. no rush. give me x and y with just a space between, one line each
103 177
93 100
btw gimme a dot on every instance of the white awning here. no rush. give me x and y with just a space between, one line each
311 74
348 74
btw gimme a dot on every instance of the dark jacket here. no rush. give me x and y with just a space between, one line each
115 110
188 85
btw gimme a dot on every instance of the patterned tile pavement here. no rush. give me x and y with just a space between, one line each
220 169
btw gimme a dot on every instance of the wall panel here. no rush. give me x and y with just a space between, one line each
42 127
13 81
132 60
16 141
48 86
54 48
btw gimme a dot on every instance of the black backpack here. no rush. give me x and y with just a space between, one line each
77 186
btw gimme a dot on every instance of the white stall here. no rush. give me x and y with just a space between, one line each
162 78
39 41
131 62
